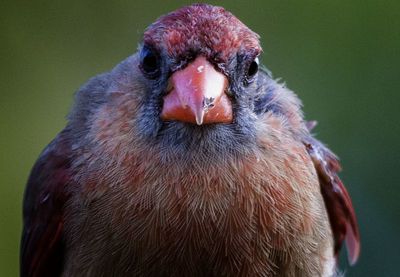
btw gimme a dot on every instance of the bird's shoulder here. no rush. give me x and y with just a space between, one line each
275 103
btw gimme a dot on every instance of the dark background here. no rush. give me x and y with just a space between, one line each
341 57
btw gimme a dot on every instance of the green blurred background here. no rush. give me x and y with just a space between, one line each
341 57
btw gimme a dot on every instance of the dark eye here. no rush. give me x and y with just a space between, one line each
252 70
149 62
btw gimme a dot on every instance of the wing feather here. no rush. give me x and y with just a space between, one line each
337 200
42 245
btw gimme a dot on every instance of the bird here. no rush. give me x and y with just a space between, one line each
187 159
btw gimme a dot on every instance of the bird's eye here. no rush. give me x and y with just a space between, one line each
149 62
252 70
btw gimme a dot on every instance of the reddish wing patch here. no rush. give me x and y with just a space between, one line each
42 246
337 201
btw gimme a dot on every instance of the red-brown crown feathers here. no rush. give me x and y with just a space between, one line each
202 29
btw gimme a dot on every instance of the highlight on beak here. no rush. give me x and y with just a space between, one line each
196 94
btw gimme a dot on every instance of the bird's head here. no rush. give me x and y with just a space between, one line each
196 84
200 65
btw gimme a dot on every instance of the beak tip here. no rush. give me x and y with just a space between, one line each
200 117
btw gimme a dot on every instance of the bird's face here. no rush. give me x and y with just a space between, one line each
199 66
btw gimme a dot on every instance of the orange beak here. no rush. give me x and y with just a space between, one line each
198 95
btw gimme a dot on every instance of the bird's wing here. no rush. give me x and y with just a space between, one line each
337 201
44 199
